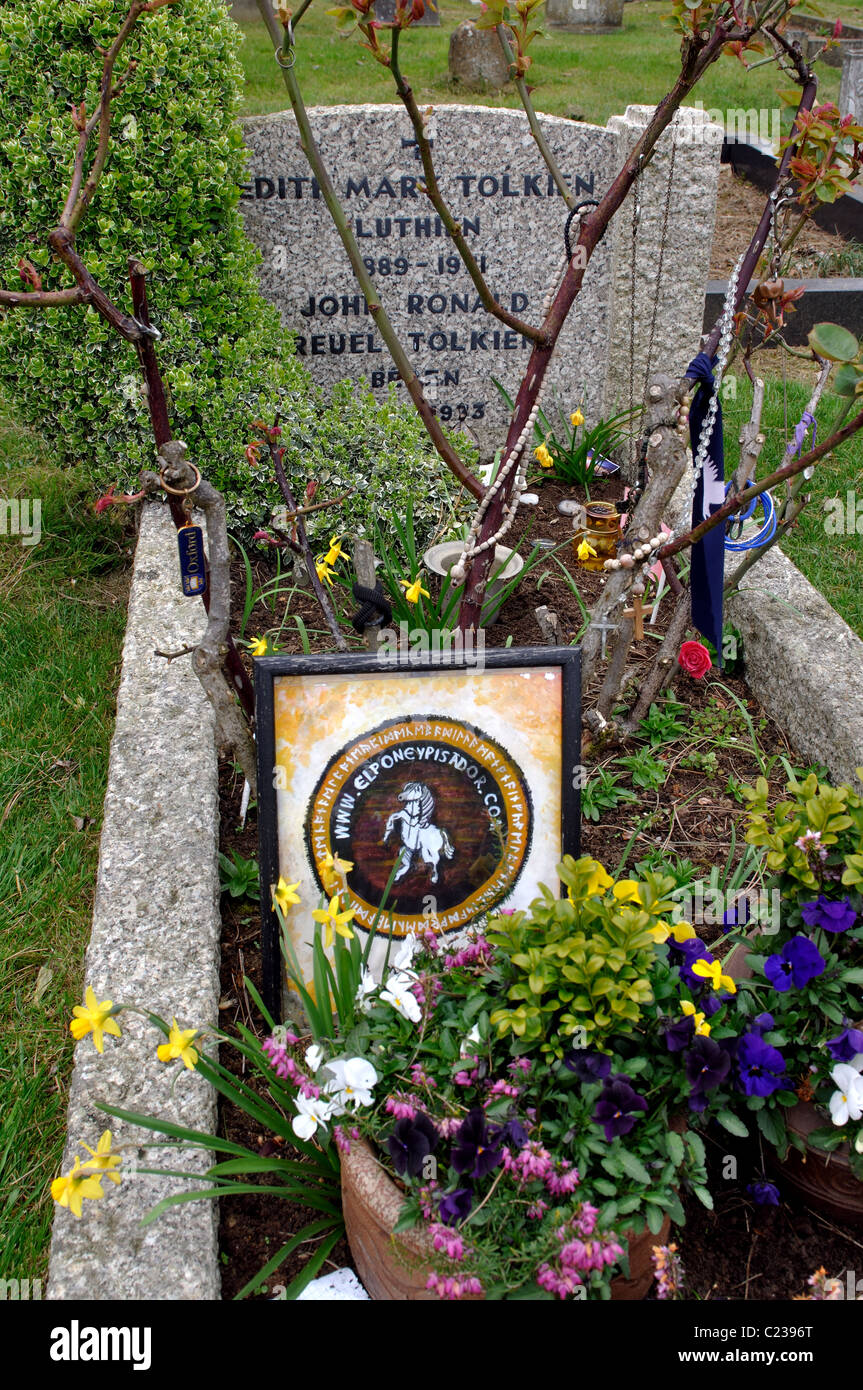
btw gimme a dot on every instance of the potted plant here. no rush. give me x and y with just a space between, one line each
518 1114
800 1054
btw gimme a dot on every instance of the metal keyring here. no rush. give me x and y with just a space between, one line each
289 34
181 491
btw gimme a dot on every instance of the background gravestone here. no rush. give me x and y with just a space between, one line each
586 16
476 58
851 81
513 217
385 12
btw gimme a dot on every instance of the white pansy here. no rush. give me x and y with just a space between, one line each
398 993
407 951
314 1057
312 1113
846 1103
367 986
351 1086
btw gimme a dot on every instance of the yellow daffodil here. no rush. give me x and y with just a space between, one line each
690 1010
332 919
712 970
332 870
681 931
626 890
585 549
258 647
179 1044
324 571
93 1017
102 1160
413 591
576 419
335 551
543 457
285 893
71 1190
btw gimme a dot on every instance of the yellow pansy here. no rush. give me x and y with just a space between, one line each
333 919
712 970
681 931
576 419
332 869
543 457
71 1190
335 551
627 890
285 893
413 591
599 880
102 1160
691 1012
258 647
179 1045
585 550
93 1017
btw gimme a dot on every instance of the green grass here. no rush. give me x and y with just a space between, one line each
61 627
589 77
833 563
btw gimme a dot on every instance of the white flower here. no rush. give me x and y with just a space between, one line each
470 1042
314 1057
312 1112
353 1079
398 993
858 1142
409 948
367 986
846 1103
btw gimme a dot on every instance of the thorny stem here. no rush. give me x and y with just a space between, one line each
436 198
366 284
535 128
308 557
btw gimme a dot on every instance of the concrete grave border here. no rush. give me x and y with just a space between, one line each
156 922
155 942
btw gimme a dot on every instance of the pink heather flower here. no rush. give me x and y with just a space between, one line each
447 1128
430 941
419 1076
479 952
585 1220
285 1067
563 1180
402 1105
502 1088
536 1211
533 1161
561 1282
448 1241
446 1286
465 1078
520 1064
343 1138
668 1271
426 1201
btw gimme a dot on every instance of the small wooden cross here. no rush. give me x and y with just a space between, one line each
639 613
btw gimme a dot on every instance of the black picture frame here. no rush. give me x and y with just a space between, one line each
269 668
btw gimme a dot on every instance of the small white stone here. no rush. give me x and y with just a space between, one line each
530 499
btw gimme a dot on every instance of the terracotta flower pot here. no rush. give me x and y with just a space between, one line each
395 1268
822 1180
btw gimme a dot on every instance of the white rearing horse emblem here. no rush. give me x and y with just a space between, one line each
417 831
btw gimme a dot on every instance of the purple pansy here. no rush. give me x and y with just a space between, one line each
764 1194
410 1144
455 1206
692 950
476 1148
707 1065
762 1067
846 1045
762 1023
680 1033
831 916
588 1066
618 1107
796 964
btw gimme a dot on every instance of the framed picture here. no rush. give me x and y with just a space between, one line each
459 781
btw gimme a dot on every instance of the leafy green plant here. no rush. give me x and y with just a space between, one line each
238 876
573 451
645 770
601 793
663 723
701 760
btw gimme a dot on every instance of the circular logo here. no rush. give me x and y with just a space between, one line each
436 803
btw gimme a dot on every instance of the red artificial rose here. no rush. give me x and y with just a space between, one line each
694 659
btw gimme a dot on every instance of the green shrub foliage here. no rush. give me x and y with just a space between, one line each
169 196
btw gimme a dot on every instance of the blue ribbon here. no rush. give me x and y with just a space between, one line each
707 574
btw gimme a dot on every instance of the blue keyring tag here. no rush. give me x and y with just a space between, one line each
193 570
